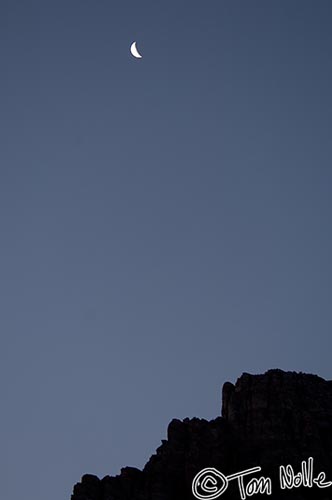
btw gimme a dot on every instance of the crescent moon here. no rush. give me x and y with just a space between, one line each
134 51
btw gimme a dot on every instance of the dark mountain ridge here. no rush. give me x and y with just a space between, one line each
270 420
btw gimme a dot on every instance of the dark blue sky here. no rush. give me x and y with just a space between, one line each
165 223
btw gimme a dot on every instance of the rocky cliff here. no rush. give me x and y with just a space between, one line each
270 420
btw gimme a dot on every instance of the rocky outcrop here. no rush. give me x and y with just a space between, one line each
268 420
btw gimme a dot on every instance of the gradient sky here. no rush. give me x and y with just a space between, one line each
165 223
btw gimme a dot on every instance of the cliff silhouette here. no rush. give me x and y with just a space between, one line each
270 420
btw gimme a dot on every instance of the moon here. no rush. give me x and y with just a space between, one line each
134 51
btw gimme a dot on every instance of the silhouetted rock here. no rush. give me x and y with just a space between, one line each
269 420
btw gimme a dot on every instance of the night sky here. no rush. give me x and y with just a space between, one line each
165 222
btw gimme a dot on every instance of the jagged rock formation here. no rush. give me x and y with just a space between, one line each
269 420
